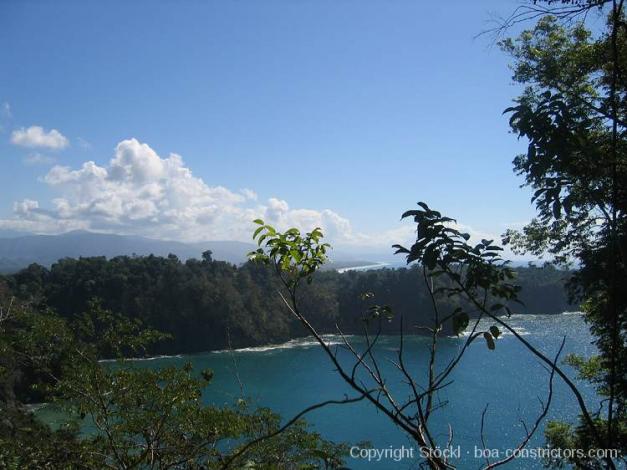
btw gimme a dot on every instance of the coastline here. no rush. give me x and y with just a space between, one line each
331 339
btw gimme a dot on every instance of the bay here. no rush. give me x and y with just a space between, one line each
509 380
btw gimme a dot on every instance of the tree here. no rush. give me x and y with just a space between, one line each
207 256
474 276
197 301
573 112
124 416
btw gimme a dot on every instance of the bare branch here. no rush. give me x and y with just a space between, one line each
542 415
289 423
483 413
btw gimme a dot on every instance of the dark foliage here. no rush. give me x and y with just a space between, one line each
205 304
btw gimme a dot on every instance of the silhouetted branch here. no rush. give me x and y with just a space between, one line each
289 423
531 11
538 421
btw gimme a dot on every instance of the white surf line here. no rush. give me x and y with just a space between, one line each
306 342
360 268
147 358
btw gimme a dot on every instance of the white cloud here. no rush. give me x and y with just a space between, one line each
25 206
139 192
82 143
249 194
38 159
37 136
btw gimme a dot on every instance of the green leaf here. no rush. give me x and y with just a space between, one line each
414 213
257 232
430 257
207 375
489 340
295 255
460 322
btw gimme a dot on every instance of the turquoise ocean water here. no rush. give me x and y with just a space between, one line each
292 376
297 374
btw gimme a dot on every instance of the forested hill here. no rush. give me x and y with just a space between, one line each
200 301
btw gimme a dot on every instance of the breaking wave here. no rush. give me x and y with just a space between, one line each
307 342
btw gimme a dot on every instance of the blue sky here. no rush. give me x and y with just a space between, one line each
343 113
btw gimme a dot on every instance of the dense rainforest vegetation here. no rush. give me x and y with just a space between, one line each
56 323
127 416
205 304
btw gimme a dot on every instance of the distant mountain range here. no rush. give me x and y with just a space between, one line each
18 250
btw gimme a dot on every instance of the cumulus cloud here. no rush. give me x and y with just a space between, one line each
140 192
25 206
249 194
38 137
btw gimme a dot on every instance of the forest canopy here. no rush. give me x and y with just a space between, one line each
209 305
